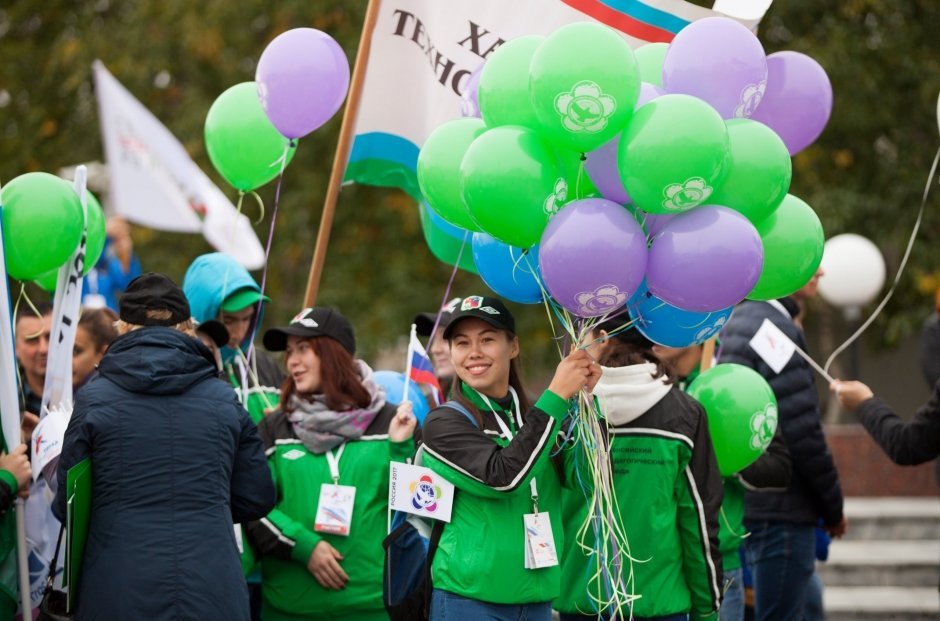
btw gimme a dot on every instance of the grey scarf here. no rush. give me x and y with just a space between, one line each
321 429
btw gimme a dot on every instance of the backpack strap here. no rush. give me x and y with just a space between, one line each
460 407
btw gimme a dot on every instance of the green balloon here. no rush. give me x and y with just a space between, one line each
446 248
760 171
439 169
742 414
42 224
650 57
584 84
242 143
673 154
48 281
512 184
504 84
793 248
95 231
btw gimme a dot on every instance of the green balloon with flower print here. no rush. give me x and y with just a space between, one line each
742 414
584 83
673 154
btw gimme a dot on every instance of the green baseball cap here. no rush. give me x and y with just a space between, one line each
241 299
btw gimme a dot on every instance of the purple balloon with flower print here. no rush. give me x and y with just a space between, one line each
720 61
601 163
592 256
798 100
705 260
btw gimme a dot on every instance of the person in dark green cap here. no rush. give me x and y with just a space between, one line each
219 288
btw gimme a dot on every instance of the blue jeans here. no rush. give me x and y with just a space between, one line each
447 606
732 605
782 557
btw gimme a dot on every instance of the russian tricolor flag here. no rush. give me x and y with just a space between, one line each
419 368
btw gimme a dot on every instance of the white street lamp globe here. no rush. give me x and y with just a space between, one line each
854 271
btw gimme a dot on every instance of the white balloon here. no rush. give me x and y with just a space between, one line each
854 271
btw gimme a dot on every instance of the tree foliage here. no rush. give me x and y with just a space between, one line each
864 175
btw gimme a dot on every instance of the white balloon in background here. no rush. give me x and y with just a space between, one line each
854 271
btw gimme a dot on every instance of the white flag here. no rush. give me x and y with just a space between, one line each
423 52
773 346
419 490
155 183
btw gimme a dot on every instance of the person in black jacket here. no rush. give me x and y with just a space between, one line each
781 548
905 443
175 462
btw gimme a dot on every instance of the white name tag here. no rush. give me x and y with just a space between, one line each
539 542
335 509
420 491
238 539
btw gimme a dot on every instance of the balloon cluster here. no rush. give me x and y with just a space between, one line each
655 179
252 128
43 224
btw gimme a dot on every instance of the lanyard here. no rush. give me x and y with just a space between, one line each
504 429
333 461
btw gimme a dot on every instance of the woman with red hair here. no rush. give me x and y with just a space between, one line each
329 445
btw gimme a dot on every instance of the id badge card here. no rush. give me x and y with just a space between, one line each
335 509
539 542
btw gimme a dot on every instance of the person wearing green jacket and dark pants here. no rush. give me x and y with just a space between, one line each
508 498
667 485
329 446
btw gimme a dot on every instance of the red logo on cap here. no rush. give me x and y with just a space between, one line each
474 301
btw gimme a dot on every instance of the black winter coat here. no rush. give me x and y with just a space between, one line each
814 490
175 462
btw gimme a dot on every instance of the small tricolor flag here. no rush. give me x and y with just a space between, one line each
419 368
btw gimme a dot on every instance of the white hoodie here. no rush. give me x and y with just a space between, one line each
626 393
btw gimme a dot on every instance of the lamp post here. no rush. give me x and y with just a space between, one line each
854 276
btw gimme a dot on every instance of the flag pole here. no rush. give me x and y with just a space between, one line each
411 339
340 160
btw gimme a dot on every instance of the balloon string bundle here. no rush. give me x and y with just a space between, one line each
897 276
601 535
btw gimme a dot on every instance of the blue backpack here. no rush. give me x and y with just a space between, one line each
409 552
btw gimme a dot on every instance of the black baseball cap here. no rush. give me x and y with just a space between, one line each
424 322
215 330
488 309
311 322
153 291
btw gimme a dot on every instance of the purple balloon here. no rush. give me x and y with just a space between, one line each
718 60
601 164
592 256
302 77
705 260
470 97
798 100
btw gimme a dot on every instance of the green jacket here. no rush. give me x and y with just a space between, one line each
668 487
481 554
285 538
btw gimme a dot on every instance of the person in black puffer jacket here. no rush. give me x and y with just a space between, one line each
176 461
781 548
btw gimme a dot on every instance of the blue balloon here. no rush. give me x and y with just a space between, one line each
394 384
506 270
671 326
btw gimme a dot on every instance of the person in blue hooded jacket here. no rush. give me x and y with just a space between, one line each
218 287
175 462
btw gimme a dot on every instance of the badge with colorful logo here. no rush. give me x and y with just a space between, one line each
474 301
425 494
